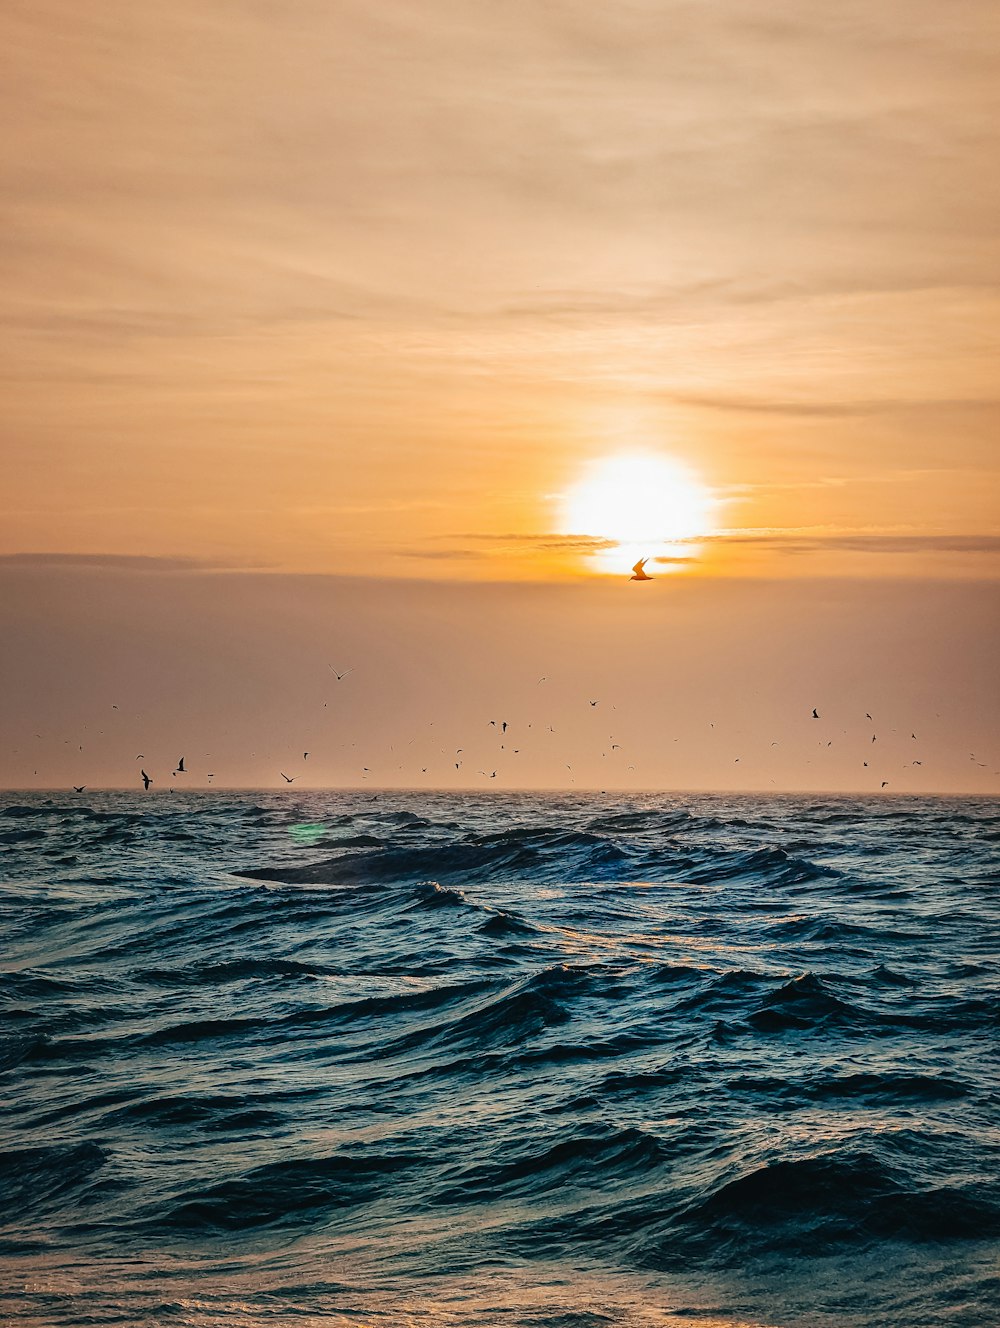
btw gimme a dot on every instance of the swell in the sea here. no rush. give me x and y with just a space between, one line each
616 1056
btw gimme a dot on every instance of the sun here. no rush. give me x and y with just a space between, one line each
647 505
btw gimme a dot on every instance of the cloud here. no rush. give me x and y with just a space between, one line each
550 540
835 409
443 555
988 544
112 562
508 545
863 542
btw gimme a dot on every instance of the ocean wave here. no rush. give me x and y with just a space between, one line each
235 970
569 855
38 1180
283 1192
834 1199
803 1002
508 1016
597 1157
13 1050
771 864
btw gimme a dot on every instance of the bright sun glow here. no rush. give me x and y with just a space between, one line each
648 505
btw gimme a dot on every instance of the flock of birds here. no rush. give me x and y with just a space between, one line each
501 728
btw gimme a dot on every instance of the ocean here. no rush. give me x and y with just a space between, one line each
546 1060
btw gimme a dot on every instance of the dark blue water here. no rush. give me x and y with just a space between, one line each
271 1059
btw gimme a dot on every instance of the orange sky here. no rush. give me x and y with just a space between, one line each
362 290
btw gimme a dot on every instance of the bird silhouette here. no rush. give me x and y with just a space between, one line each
78 788
639 571
815 713
885 783
146 781
289 779
180 768
339 676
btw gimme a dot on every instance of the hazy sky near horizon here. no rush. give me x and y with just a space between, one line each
114 661
362 293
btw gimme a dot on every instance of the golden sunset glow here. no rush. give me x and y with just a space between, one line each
649 505
393 338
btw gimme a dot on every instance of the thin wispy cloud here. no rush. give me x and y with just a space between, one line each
115 562
866 542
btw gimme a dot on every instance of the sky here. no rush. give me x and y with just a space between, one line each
316 317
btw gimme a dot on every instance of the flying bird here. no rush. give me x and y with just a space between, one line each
885 783
339 676
78 788
180 768
639 571
867 716
815 713
146 781
289 779
594 703
305 756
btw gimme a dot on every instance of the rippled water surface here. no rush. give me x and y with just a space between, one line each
521 1060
